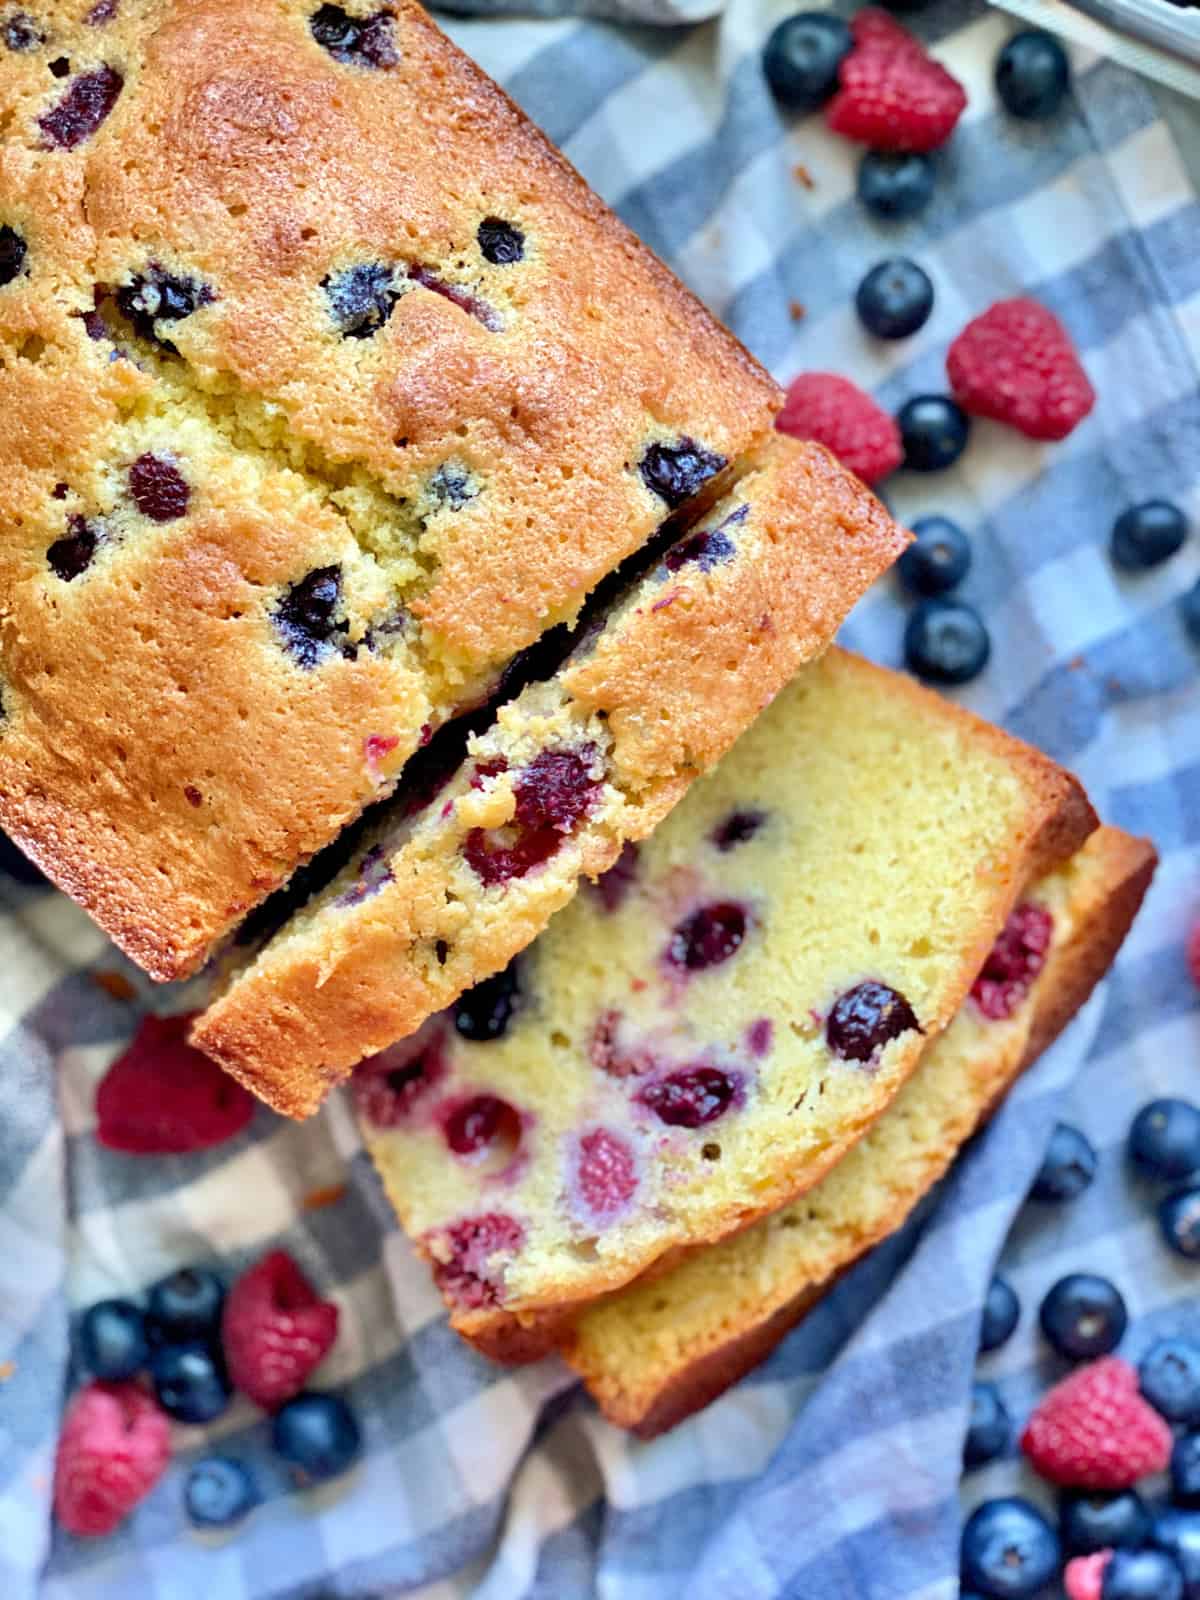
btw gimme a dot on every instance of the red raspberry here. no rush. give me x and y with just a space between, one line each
1084 1577
893 96
1016 363
1094 1430
114 1447
275 1330
162 1097
1192 949
837 414
1014 961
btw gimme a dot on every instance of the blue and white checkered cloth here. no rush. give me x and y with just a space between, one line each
832 1472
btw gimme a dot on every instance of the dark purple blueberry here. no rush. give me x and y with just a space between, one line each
73 553
1001 1313
386 1087
354 41
1179 1221
482 1125
307 616
458 296
895 185
946 641
674 472
103 11
469 1257
160 491
186 1305
12 254
708 937
112 1340
938 559
452 486
1185 1471
1008 1549
1164 1140
692 1097
218 1493
373 873
1147 534
895 298
318 1435
737 828
156 296
1083 1316
866 1018
612 886
1141 1575
82 109
1091 1522
1032 74
802 56
500 242
361 299
1169 1378
190 1381
20 32
989 1426
709 548
485 1012
1068 1166
933 431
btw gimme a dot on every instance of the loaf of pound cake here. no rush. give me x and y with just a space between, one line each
327 387
662 1348
699 1039
575 768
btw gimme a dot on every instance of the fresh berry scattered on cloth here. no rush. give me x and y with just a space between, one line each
114 1446
1095 1431
839 415
276 1330
892 95
163 1097
1016 364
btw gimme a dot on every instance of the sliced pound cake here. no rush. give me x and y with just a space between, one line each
698 1040
655 691
327 387
662 1348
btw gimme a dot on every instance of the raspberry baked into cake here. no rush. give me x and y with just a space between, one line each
328 387
697 1040
658 686
662 1348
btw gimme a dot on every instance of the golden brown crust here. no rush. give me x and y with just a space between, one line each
241 154
1104 904
678 675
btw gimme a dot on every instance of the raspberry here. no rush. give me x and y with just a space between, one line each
162 1097
1084 1576
892 95
1016 363
275 1330
1014 961
1192 951
1094 1430
837 414
114 1447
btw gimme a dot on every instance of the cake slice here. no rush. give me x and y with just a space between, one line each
696 1042
328 387
656 689
662 1348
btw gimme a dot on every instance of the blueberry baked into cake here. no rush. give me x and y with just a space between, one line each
696 1041
581 764
662 1348
328 388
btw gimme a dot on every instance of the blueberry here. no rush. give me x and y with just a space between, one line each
895 186
989 1426
1091 1522
1068 1166
218 1493
1032 74
307 615
1147 534
72 555
361 299
866 1018
1001 1313
1179 1219
1185 1470
20 32
112 1340
1142 1575
802 56
190 1381
186 1305
12 254
83 108
1169 1375
1189 610
946 641
938 560
1009 1550
895 298
1164 1140
1083 1316
502 243
675 472
1177 1531
484 1012
156 296
933 432
355 41
318 1434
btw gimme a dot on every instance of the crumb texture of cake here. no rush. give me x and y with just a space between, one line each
697 1041
576 768
328 387
662 1348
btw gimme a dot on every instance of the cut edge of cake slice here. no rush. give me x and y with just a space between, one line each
660 1350
573 769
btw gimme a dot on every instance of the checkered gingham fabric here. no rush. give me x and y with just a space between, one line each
833 1471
